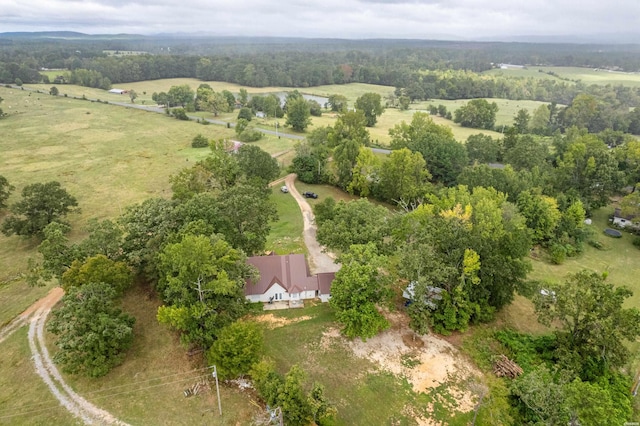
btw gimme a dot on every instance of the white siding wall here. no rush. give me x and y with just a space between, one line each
325 297
275 290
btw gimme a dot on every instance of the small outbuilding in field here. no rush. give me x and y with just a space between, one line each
118 91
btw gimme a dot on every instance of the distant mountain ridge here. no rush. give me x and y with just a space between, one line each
593 39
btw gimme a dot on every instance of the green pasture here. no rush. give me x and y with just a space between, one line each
108 157
585 75
507 109
619 259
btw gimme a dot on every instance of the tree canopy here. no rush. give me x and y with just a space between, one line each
370 104
41 204
360 285
594 324
93 334
298 114
477 113
201 282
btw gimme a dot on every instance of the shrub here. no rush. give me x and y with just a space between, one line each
200 142
250 135
558 253
597 245
636 242
180 114
245 113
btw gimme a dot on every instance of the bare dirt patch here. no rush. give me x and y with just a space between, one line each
427 362
273 321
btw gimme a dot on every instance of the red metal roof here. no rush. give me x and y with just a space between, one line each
289 271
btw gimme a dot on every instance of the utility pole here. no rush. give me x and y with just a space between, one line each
215 375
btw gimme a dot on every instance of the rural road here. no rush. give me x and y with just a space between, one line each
36 315
319 259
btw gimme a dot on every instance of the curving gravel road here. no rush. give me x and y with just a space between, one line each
320 260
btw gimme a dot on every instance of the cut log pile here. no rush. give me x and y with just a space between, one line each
504 367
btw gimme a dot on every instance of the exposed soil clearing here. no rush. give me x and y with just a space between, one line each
320 260
273 321
425 361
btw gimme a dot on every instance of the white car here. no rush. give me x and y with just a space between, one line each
284 189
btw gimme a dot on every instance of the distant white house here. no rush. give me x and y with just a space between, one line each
260 114
286 278
118 91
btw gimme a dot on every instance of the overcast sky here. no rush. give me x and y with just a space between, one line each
465 19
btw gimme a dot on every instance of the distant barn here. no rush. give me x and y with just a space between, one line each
118 91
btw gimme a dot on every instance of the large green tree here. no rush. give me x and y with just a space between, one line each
256 163
181 95
590 170
365 173
298 113
465 252
477 113
370 104
483 149
360 286
98 269
41 204
201 282
527 152
238 347
541 213
355 222
349 133
403 178
93 334
445 157
310 162
244 216
594 325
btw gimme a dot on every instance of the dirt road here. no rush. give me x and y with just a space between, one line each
319 259
36 316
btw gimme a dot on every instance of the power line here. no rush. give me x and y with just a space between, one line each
101 397
106 396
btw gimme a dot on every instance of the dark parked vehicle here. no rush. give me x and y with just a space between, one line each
309 195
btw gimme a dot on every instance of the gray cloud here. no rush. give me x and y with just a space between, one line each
330 18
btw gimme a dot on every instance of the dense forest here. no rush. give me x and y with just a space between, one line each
426 69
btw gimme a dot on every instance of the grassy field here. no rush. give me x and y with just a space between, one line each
620 259
107 157
585 75
507 109
379 133
24 398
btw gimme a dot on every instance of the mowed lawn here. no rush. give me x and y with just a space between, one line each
620 260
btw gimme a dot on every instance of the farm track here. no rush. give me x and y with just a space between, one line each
36 315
